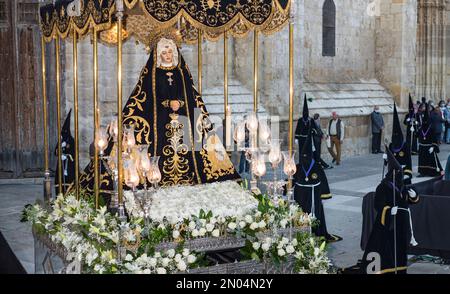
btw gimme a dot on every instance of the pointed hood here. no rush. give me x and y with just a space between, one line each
394 167
305 108
65 130
397 134
410 105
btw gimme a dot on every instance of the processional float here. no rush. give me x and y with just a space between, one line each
115 21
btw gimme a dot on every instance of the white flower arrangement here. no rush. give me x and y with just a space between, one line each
91 236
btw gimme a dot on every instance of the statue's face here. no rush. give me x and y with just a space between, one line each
167 55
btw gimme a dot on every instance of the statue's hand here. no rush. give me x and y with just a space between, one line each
175 105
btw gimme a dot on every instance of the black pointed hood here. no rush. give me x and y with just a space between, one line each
397 133
65 130
394 167
305 108
410 105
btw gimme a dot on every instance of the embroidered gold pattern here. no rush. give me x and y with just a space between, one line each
175 165
215 159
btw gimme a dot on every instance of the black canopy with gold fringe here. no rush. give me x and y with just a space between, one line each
213 17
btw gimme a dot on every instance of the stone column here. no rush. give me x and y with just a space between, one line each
431 62
395 43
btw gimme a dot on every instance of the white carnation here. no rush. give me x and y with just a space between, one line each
262 224
253 226
248 219
195 233
256 245
176 234
281 252
215 233
242 224
161 271
192 225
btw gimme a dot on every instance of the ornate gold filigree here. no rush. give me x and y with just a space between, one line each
175 165
215 159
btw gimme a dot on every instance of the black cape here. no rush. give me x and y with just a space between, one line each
429 164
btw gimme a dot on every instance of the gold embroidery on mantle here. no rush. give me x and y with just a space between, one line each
176 165
216 162
142 127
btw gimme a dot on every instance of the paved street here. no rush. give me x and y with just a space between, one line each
349 183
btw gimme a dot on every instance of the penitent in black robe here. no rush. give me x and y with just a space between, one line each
381 241
412 122
429 164
67 158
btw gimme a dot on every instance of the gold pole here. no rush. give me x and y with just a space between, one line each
96 125
291 89
47 185
58 112
199 61
119 111
225 73
255 71
75 102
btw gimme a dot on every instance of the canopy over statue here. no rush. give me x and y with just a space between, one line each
170 116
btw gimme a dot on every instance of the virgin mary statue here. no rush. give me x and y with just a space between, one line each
170 117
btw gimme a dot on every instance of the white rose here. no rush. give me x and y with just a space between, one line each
191 258
294 242
283 223
253 226
256 245
281 252
157 254
175 234
203 221
195 233
262 224
165 261
161 271
192 225
242 224
185 252
181 265
177 257
146 271
213 220
232 226
248 219
171 253
209 227
265 247
128 257
202 232
215 233
290 249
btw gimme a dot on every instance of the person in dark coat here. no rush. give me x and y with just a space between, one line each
308 189
436 124
386 249
377 129
400 148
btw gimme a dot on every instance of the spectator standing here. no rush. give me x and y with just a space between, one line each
377 129
336 131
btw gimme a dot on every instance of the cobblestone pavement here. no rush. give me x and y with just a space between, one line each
349 182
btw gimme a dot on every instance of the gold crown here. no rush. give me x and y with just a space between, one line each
170 33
